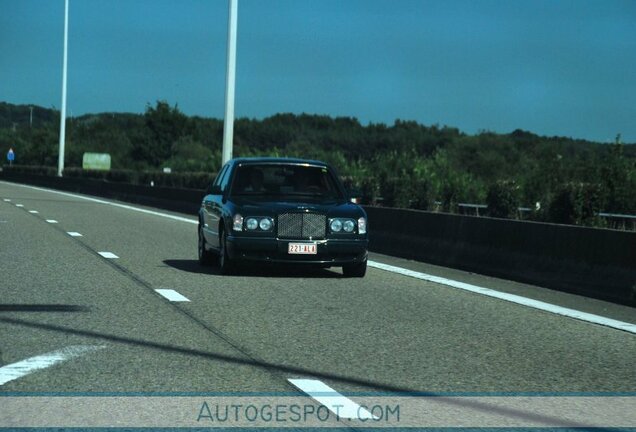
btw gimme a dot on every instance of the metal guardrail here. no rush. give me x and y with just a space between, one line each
618 221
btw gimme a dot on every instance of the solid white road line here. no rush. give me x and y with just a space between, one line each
340 405
108 255
52 221
547 307
17 370
536 304
74 234
33 211
172 295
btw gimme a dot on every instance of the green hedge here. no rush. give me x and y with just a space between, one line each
188 180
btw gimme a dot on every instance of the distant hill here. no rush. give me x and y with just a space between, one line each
405 164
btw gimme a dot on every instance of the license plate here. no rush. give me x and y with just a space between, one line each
302 248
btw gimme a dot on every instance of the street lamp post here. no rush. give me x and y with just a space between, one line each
60 160
228 124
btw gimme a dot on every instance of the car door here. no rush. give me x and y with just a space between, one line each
212 208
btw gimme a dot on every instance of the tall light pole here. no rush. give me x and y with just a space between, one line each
230 81
60 160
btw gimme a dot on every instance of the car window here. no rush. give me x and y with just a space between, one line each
225 179
219 177
284 180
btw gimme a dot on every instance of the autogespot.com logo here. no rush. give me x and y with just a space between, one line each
294 413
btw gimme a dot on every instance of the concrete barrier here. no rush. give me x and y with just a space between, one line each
592 262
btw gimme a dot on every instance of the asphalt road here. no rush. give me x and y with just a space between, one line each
254 332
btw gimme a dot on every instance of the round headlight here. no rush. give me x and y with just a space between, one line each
265 224
336 225
251 224
348 226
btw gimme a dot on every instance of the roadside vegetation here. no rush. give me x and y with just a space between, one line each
405 164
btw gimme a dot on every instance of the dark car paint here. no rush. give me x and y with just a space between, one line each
217 211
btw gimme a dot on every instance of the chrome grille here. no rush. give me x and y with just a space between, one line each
301 225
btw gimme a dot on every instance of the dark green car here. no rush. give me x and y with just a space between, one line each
280 210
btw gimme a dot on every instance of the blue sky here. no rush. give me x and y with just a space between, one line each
564 68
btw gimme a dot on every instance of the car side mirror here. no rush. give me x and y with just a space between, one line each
213 190
355 196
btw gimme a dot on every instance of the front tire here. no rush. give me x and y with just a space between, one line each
226 265
355 270
205 256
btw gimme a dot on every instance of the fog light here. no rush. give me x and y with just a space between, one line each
362 226
238 222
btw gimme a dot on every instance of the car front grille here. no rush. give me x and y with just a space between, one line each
301 226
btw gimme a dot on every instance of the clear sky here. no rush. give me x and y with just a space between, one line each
552 67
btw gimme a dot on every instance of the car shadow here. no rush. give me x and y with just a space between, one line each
32 307
256 270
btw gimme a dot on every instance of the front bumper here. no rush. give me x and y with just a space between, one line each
330 252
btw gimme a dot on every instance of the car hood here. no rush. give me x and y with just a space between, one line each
268 207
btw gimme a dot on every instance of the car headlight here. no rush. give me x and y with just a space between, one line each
251 224
336 225
348 225
237 222
362 226
265 224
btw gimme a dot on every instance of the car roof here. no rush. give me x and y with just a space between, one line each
283 160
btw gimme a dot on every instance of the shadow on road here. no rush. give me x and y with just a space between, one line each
42 308
284 371
256 270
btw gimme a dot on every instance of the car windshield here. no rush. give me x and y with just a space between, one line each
284 180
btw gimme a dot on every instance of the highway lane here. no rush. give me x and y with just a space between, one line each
255 331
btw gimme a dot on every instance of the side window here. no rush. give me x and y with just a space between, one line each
225 179
219 177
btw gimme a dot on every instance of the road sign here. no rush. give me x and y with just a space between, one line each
96 161
10 156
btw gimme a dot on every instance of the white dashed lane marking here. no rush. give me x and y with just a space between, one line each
74 234
172 295
340 405
33 211
108 255
17 370
547 307
51 221
19 205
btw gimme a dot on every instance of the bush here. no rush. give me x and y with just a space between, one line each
503 199
405 192
577 203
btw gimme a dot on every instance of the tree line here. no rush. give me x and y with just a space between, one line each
405 164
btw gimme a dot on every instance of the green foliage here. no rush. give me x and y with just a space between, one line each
164 126
405 164
503 199
577 203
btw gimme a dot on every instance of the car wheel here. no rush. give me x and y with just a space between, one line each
226 265
205 256
355 270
